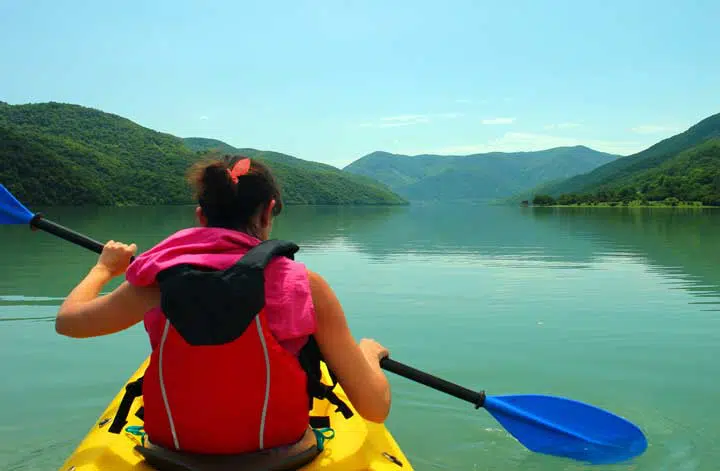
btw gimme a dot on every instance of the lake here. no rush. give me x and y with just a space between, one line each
619 308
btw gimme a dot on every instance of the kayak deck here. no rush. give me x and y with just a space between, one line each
357 445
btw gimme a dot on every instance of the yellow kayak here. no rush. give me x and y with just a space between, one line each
356 444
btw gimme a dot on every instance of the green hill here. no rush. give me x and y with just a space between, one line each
688 177
682 168
306 182
203 144
59 154
64 154
478 176
683 154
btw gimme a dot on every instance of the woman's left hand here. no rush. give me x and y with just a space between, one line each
115 257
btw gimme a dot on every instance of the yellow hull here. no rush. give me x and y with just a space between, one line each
357 445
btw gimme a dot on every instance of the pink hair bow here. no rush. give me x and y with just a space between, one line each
240 168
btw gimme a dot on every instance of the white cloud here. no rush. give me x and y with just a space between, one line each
448 115
403 117
409 120
498 121
204 118
562 126
401 120
653 129
520 142
406 118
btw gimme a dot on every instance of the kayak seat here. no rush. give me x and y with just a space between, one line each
284 458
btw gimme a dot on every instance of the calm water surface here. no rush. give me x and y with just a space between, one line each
618 308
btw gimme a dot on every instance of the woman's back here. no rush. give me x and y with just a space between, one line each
255 379
288 300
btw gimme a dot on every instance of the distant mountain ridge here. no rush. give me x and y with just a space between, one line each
66 154
307 182
477 176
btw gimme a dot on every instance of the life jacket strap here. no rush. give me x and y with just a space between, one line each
316 390
310 358
339 403
133 390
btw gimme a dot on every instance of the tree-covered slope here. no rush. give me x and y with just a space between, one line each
203 144
307 182
56 153
690 176
478 176
626 168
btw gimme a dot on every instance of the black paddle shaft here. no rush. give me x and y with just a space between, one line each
68 234
473 397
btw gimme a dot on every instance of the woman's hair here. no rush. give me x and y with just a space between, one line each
232 205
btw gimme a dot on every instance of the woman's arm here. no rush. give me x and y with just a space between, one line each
357 367
84 314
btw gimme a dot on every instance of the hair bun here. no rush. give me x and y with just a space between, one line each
230 205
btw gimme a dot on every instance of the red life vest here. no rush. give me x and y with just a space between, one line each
219 382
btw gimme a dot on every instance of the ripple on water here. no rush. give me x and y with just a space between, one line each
29 458
614 311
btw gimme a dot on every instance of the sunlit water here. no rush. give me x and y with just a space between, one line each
618 308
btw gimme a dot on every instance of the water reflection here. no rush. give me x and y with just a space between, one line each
496 233
680 243
607 306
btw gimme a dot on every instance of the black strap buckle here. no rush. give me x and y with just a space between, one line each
132 391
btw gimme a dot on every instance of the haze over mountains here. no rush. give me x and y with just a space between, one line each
478 176
682 168
54 153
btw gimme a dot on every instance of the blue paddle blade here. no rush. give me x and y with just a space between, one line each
11 210
564 427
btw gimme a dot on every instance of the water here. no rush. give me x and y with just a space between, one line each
616 307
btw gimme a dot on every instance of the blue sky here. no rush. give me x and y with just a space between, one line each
333 80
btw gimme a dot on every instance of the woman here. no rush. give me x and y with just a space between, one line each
237 201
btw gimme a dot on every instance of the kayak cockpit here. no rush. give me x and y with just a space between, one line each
339 444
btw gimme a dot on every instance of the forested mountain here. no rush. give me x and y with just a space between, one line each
203 144
477 176
53 153
308 182
685 167
64 154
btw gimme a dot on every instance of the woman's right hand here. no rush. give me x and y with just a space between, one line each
373 351
115 257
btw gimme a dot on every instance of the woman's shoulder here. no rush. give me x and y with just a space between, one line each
317 282
323 296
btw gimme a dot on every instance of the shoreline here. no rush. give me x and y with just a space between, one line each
623 205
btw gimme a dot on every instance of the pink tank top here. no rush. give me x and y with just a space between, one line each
288 300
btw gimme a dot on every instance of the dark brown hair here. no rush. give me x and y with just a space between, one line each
232 205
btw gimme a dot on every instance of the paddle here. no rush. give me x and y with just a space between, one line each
547 424
544 424
13 212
